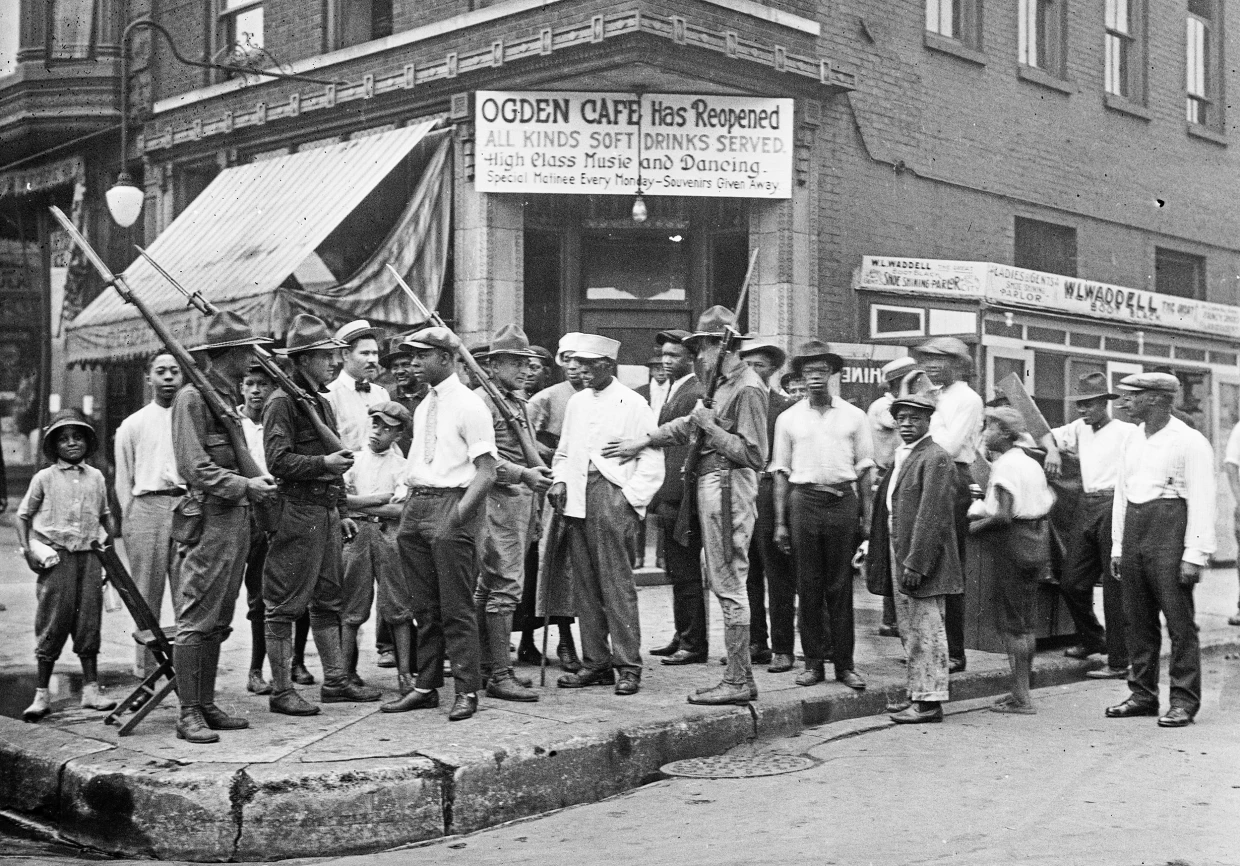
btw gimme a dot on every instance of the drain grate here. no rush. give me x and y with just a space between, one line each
737 766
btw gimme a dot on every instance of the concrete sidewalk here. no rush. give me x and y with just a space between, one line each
353 779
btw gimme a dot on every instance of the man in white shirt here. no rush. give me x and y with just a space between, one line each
823 461
1097 440
957 426
1162 538
148 488
451 467
1231 467
602 500
354 390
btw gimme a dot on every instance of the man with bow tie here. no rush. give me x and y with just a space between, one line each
354 390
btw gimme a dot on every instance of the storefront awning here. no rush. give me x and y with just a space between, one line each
254 225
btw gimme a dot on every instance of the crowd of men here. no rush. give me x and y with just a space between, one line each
440 498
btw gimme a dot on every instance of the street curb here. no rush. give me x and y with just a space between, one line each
126 803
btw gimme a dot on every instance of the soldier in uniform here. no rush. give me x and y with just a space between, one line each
211 570
304 566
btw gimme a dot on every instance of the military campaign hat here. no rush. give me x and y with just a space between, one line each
307 334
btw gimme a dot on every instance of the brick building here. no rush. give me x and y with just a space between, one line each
1007 168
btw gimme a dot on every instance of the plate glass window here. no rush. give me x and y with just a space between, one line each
1179 274
1045 247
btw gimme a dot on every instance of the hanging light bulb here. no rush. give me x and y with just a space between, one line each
124 200
639 209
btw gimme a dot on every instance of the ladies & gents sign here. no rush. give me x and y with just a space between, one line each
605 143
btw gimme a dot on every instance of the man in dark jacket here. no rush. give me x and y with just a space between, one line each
684 567
913 555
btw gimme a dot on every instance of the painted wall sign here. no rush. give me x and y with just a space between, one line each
1003 284
598 143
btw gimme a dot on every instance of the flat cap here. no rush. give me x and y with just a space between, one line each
432 338
1164 382
391 413
953 347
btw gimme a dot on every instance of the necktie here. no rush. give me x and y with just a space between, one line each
432 419
362 386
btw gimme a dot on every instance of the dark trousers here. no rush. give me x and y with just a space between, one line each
770 570
211 573
1150 571
438 563
303 568
70 604
684 570
824 538
1089 557
954 620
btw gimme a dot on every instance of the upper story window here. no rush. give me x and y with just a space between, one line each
10 13
1125 49
1045 247
956 19
1179 274
1202 61
362 20
1042 35
241 25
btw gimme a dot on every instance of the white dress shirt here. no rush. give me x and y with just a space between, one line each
145 461
956 424
1098 450
351 406
829 447
883 430
253 439
898 457
659 392
463 433
1232 454
373 473
1175 463
591 420
1022 477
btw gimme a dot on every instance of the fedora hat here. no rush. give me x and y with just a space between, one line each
508 340
714 323
432 338
814 350
392 350
307 334
357 330
1091 386
916 390
673 335
765 346
953 347
62 419
226 330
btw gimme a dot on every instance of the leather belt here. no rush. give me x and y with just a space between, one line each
382 522
714 462
1100 494
433 491
171 491
838 490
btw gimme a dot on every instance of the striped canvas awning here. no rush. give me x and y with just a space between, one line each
239 241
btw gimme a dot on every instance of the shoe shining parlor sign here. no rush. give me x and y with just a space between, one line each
614 143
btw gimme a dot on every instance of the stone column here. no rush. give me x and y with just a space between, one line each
783 299
490 260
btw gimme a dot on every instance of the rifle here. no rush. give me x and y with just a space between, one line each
525 437
688 504
225 415
303 400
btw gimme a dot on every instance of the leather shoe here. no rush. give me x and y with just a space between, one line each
812 675
568 658
898 705
667 650
721 695
683 657
781 663
218 720
629 683
193 729
955 666
463 708
1108 673
759 654
386 660
349 694
257 685
415 700
587 677
913 716
888 631
1081 651
291 703
506 687
1130 709
1177 717
302 676
852 679
528 654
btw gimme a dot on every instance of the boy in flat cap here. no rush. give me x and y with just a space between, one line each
1162 537
303 567
370 486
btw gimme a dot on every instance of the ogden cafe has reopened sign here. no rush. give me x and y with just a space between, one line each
682 144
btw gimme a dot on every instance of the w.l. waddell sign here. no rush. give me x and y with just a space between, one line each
599 143
1003 284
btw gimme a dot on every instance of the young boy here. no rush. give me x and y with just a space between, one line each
371 557
66 506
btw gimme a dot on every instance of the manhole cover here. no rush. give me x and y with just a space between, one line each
737 766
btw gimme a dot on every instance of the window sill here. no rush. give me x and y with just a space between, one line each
1044 79
1196 130
954 47
1126 106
